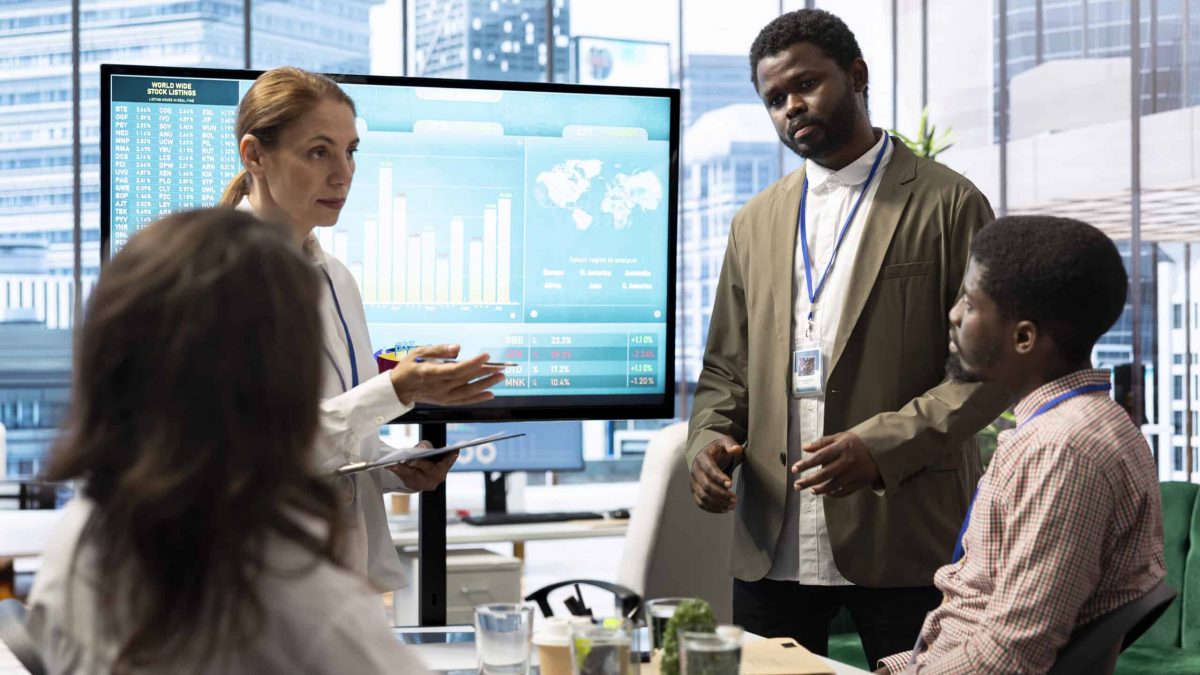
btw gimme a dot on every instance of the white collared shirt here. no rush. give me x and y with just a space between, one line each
803 553
350 419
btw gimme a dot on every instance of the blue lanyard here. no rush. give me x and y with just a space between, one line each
814 294
1086 389
349 342
1045 407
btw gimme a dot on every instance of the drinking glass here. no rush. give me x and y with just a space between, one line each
716 653
607 648
502 635
658 612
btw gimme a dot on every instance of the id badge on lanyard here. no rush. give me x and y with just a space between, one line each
808 362
808 365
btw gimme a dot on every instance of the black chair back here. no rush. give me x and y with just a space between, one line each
14 634
1091 648
628 601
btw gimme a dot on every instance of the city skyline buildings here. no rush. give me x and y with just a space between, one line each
489 39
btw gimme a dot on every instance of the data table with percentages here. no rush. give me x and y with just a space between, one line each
172 148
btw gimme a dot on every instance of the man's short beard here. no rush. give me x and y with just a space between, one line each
957 372
837 127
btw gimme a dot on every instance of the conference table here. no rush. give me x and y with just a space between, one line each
458 657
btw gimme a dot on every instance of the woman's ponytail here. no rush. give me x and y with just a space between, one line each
238 188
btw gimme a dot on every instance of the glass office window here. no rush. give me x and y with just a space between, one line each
961 101
727 134
1068 113
332 36
871 22
388 20
1169 187
911 83
36 228
488 39
607 48
1069 142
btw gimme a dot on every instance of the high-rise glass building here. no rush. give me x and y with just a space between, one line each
1042 31
489 39
732 154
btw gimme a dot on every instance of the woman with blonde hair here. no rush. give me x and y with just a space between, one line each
297 138
203 539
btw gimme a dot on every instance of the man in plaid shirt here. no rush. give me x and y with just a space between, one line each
1067 522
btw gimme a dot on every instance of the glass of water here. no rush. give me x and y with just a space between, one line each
607 648
658 612
717 653
502 637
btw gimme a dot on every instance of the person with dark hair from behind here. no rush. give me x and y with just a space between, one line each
1067 523
203 539
823 373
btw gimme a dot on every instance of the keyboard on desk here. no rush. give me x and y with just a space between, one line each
522 518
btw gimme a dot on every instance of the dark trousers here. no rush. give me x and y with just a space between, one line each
888 619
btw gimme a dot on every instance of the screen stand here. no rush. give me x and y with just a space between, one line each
495 492
431 542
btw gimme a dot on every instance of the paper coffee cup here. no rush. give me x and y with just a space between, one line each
552 640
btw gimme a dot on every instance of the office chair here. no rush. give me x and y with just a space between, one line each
1093 648
673 548
14 634
628 603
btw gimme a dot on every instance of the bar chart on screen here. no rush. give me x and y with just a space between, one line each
434 226
436 266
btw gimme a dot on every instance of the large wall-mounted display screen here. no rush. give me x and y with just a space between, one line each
535 222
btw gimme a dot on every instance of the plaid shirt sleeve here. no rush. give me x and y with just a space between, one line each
1055 504
896 662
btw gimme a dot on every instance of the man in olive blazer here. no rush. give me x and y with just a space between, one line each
886 376
892 422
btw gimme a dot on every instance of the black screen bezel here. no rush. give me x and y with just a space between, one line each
506 408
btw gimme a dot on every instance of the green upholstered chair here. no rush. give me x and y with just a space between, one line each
844 644
1172 645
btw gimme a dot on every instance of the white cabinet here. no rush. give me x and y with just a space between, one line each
474 576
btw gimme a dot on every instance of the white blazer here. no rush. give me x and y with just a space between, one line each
350 420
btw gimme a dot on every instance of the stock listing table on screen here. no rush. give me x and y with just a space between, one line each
172 148
530 225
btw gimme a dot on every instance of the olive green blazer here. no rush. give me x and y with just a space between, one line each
886 375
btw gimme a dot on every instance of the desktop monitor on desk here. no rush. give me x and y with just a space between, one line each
536 222
546 446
